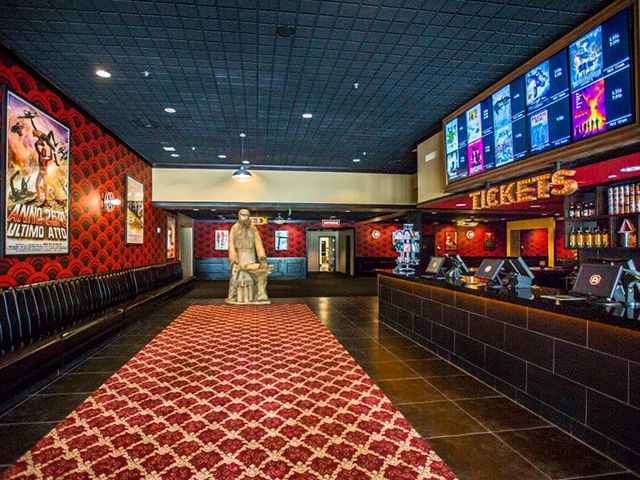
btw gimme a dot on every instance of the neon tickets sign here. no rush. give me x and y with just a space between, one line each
525 190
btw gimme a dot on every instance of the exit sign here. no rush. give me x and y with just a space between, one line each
331 223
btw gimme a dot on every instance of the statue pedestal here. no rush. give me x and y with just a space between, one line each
251 285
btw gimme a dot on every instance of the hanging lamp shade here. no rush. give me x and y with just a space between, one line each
242 175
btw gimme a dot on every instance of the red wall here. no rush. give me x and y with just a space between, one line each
203 243
534 243
473 247
562 252
99 162
365 244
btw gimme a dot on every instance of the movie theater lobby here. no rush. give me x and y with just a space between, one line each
319 240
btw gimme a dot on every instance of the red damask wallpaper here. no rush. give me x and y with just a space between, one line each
470 247
534 243
562 252
365 244
99 162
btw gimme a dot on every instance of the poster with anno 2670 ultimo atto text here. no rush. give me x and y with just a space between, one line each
36 214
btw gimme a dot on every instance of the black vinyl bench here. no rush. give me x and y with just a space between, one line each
44 326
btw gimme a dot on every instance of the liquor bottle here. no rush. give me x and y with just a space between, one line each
570 212
580 238
637 197
610 198
605 238
626 199
588 238
572 238
632 199
616 200
577 213
597 238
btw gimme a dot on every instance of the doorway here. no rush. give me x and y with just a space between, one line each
186 251
327 254
532 239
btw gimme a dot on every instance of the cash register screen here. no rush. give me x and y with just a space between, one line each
489 268
435 265
597 280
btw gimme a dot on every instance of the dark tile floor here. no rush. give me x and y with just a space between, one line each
480 433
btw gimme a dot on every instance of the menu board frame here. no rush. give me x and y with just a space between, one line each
577 148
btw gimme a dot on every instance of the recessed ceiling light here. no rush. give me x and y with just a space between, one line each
213 209
633 168
434 213
461 204
364 153
307 115
103 73
196 209
535 206
503 219
612 176
193 148
175 154
246 162
146 73
169 149
170 110
356 85
222 156
356 160
242 135
347 211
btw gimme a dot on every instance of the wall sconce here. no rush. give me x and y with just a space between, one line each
109 202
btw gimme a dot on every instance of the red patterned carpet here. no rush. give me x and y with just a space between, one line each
235 392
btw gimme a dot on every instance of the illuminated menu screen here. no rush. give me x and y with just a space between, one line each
602 97
548 105
509 129
578 92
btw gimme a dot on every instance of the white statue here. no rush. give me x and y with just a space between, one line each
248 262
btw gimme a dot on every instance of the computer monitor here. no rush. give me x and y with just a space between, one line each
516 273
518 266
489 269
459 264
597 280
435 265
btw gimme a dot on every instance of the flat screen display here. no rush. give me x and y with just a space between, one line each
602 94
597 280
509 123
435 265
456 146
489 268
548 104
579 92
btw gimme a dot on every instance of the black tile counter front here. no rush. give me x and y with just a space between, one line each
577 365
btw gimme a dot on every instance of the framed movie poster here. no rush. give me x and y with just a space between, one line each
221 239
171 236
135 211
282 240
451 240
36 163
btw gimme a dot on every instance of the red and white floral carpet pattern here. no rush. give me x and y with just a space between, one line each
236 392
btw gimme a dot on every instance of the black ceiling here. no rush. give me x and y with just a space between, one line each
224 69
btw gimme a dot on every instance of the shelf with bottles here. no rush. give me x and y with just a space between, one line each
588 234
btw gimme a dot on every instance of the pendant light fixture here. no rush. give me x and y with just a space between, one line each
242 174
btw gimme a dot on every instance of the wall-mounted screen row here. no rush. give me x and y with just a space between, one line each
579 92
